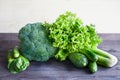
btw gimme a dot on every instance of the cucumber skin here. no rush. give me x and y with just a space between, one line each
91 55
79 60
93 67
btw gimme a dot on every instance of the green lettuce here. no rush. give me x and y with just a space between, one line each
69 33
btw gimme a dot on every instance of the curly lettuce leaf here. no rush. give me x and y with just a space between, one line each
69 33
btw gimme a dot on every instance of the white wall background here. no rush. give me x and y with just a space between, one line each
14 14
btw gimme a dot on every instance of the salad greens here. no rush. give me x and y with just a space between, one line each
70 34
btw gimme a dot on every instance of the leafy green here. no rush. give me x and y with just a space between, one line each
68 32
16 62
62 54
34 42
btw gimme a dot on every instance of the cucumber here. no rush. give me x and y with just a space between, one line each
93 67
91 55
79 60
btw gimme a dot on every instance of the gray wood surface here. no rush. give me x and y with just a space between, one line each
55 70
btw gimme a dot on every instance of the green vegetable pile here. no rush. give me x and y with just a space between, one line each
66 38
71 36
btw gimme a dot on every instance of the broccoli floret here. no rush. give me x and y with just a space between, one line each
35 43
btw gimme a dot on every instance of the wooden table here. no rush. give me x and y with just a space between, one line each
55 70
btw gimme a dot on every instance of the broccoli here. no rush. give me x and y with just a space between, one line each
34 42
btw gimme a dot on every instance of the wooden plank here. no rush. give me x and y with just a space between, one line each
55 70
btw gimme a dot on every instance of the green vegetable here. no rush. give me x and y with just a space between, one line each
93 67
105 59
79 60
62 54
69 33
90 55
34 42
16 62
